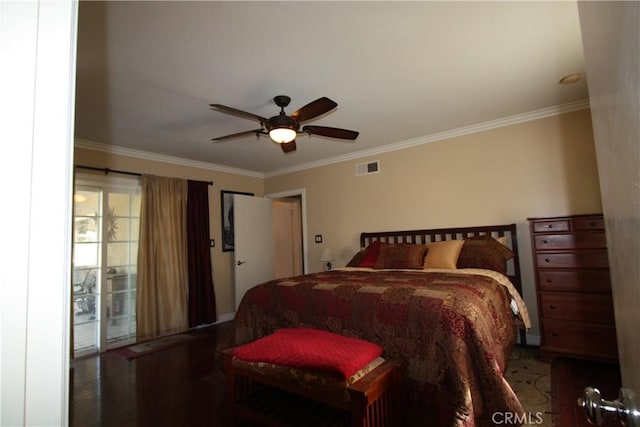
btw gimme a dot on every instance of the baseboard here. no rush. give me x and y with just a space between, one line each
225 317
221 319
533 340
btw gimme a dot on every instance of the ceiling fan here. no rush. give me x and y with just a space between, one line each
283 129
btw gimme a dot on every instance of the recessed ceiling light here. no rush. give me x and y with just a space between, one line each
570 79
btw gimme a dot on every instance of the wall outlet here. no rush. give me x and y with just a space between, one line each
318 238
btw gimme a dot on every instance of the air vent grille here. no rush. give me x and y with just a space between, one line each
367 168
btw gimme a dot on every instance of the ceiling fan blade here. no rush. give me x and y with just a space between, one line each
237 135
331 132
314 109
289 146
236 112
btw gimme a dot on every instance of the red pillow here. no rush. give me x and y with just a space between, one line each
371 255
311 349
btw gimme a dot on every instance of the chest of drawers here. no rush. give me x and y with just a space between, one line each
573 287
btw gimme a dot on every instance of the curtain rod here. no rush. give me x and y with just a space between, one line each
107 170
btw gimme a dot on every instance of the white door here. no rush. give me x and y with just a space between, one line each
253 243
610 40
105 250
287 232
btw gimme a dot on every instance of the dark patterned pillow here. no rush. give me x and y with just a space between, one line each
401 255
484 252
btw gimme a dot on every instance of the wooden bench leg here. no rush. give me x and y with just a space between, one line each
373 400
358 410
231 383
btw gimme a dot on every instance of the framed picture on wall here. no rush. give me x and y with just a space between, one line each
226 199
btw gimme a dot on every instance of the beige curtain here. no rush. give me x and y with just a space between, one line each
162 258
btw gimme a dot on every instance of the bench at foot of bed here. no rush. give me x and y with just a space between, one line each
277 395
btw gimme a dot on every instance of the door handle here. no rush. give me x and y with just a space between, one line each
624 408
240 262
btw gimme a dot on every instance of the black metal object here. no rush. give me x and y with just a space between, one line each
107 171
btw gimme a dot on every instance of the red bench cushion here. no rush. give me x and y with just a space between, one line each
311 349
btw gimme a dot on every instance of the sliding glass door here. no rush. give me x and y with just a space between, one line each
105 250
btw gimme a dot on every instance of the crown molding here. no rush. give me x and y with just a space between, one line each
139 154
401 145
466 130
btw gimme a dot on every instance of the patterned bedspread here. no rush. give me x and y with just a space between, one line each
452 332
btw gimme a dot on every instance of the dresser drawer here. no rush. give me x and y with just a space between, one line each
588 308
575 280
550 226
580 259
588 223
570 241
580 339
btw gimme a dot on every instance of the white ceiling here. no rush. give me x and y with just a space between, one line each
399 71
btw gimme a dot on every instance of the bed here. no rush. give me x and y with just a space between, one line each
451 326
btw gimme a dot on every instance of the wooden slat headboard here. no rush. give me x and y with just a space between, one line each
440 234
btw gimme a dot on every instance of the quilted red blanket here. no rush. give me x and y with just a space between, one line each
452 332
309 348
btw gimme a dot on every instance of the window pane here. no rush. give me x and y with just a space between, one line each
134 252
119 204
132 279
135 229
118 254
86 201
86 229
86 255
122 234
80 274
85 335
135 205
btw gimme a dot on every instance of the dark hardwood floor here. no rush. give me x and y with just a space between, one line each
570 377
185 385
181 386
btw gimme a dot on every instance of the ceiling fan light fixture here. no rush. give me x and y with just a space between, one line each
283 129
282 135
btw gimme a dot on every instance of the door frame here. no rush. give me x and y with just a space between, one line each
40 44
303 202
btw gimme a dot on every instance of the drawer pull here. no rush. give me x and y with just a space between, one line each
547 260
554 334
593 223
545 241
549 280
550 226
552 306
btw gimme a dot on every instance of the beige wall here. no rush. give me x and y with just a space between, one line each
539 168
222 261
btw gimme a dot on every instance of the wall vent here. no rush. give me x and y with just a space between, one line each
367 168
